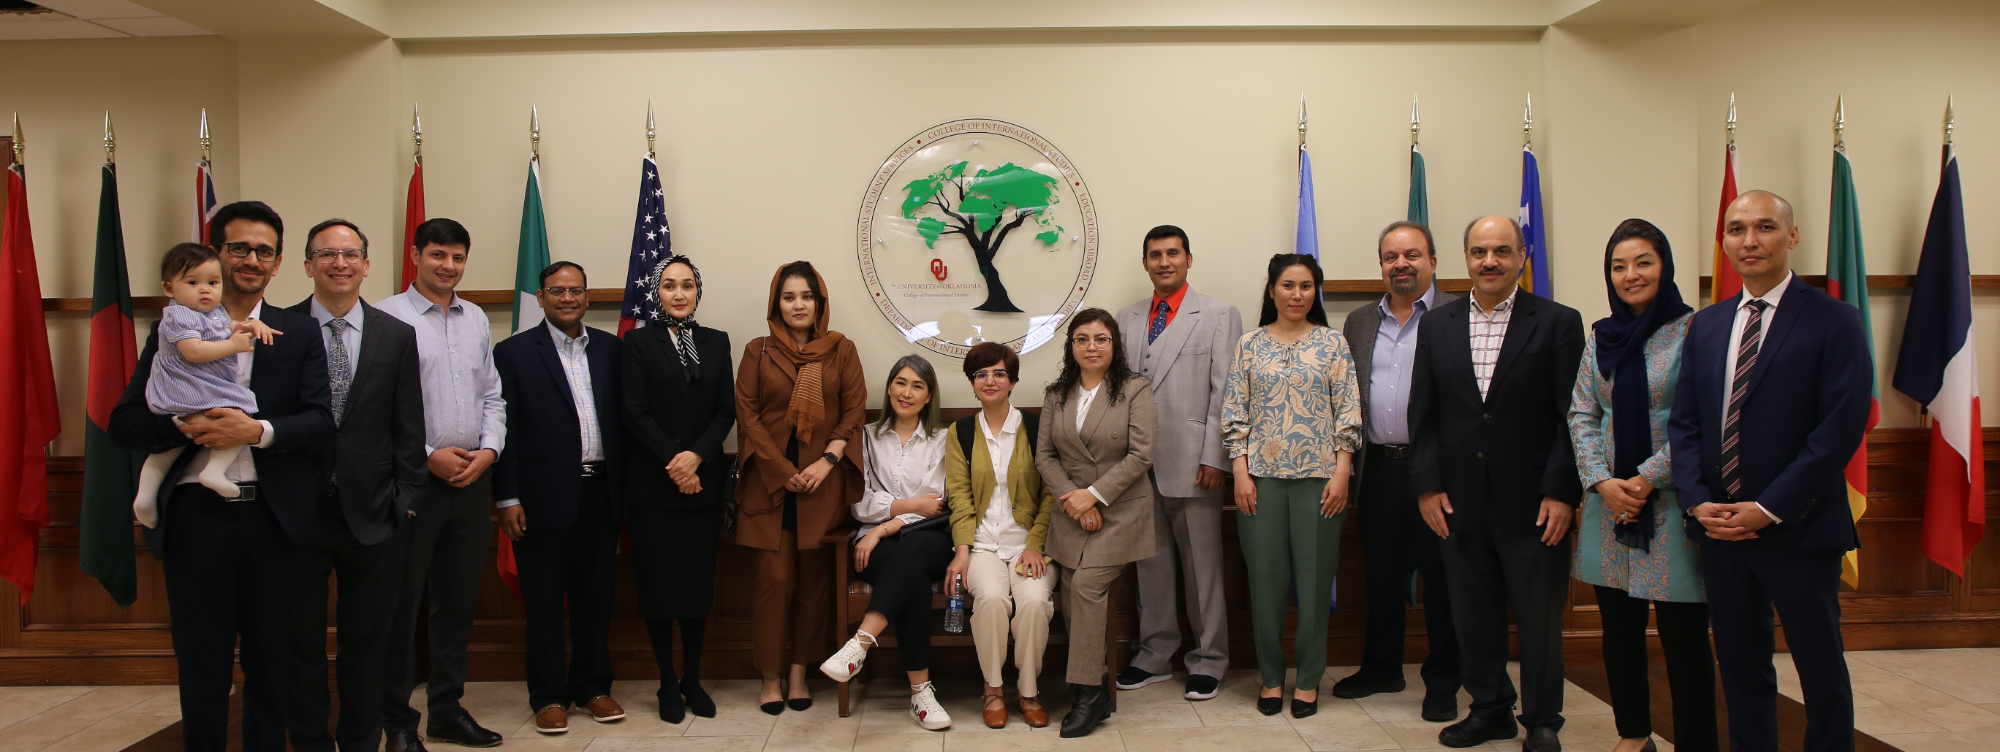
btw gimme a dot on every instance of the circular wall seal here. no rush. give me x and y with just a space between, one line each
977 231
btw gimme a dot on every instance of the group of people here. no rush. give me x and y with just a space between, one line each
387 439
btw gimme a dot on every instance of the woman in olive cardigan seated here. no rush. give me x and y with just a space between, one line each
999 530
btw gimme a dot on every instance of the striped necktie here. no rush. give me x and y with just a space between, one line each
1739 388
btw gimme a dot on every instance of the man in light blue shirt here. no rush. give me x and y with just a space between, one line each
1383 340
465 423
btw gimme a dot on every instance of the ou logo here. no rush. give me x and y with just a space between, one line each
938 269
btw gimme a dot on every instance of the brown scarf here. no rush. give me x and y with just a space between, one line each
808 407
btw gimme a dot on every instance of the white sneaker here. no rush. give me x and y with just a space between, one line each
925 708
844 664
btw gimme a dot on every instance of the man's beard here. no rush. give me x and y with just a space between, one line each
1405 286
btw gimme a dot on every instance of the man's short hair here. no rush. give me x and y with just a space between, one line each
1430 246
1165 231
332 223
1520 240
551 269
442 231
255 211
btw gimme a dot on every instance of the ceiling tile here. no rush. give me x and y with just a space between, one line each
96 9
50 26
160 26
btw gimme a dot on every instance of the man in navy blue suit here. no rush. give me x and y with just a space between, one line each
1771 404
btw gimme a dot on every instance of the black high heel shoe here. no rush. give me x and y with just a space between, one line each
1304 708
1271 705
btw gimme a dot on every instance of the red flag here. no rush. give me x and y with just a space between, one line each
503 560
1727 283
204 200
413 215
28 416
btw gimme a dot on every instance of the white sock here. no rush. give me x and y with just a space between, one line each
213 474
146 504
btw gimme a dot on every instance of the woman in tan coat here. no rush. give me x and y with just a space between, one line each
799 401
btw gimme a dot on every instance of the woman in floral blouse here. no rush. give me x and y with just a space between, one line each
1630 541
1291 423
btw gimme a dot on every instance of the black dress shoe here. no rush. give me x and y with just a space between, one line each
1091 706
1270 705
698 701
1304 709
1440 706
672 708
1543 739
405 741
462 731
1474 731
1357 686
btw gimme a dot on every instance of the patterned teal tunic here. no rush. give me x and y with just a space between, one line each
1670 571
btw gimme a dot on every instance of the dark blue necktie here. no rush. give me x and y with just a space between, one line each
1159 322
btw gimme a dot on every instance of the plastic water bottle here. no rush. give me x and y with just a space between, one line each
954 611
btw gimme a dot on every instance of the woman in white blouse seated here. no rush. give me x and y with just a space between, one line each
999 528
904 543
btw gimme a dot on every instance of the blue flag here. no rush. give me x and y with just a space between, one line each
1534 236
1308 240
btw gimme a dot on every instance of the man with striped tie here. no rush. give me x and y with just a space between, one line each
1772 402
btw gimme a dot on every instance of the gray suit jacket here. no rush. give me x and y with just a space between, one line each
377 452
1360 329
1189 368
1111 454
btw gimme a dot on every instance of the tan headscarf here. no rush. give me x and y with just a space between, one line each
808 408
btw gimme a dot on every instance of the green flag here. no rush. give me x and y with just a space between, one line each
534 252
110 474
1847 279
1420 202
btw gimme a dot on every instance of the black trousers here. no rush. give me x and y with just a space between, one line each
1491 570
569 566
1398 543
228 573
901 569
1690 667
1745 581
447 544
370 578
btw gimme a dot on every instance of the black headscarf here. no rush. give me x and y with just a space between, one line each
1621 357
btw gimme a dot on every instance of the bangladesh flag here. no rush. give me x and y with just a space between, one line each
1847 279
534 252
110 474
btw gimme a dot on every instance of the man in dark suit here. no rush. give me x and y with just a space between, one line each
1772 402
557 489
228 561
367 477
1383 340
1495 476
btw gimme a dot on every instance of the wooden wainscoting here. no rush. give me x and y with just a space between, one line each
72 632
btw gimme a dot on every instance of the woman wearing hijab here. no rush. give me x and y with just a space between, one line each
1629 543
679 406
800 396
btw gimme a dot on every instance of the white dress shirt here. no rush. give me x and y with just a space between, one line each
1770 298
244 469
895 469
1083 399
998 533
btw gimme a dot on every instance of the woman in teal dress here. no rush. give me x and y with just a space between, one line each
1631 543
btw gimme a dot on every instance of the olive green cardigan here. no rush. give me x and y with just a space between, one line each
969 486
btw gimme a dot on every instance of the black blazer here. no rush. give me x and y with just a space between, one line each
289 378
1503 454
377 450
1797 435
543 462
666 414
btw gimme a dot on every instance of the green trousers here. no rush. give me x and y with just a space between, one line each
1288 543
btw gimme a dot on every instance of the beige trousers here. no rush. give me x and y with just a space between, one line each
1006 602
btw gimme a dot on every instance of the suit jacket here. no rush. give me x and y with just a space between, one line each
1500 455
1360 329
763 398
1797 435
542 464
289 378
377 451
665 414
1112 454
1189 368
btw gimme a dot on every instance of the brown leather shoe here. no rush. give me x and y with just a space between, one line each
602 709
552 720
1033 712
995 712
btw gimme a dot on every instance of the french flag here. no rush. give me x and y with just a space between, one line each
1938 368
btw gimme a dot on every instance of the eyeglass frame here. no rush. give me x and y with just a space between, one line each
238 249
351 255
559 292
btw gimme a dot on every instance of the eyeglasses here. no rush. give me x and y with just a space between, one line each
996 374
566 292
1086 343
325 256
264 253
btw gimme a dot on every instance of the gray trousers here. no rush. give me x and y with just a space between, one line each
1188 533
448 541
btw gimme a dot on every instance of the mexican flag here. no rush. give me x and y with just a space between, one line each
110 474
1847 279
534 254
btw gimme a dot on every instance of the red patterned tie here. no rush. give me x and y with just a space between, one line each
1739 388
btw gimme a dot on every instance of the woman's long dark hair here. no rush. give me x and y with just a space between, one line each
930 419
1279 263
1072 373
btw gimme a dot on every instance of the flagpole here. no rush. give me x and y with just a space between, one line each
650 129
110 142
1302 121
20 144
1840 124
417 131
1528 124
1416 122
205 141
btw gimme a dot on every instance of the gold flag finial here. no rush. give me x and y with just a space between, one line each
1302 120
1840 124
535 130
1528 123
110 141
20 144
1731 124
1947 119
650 130
1416 121
204 136
417 131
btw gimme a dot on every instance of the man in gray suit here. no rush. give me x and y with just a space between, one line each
1383 339
1183 341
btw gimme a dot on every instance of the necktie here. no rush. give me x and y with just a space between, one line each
1159 322
1739 388
338 369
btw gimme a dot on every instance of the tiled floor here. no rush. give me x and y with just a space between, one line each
1921 700
83 719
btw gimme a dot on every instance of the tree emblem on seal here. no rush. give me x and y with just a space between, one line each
984 207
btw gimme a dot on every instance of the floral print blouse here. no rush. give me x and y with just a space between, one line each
1292 408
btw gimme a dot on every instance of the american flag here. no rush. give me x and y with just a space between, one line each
204 201
651 242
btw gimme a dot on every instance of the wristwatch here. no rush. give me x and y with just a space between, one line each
831 458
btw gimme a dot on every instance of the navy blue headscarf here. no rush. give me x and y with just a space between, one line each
1621 357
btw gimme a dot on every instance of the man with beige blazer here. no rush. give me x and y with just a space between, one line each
1182 340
